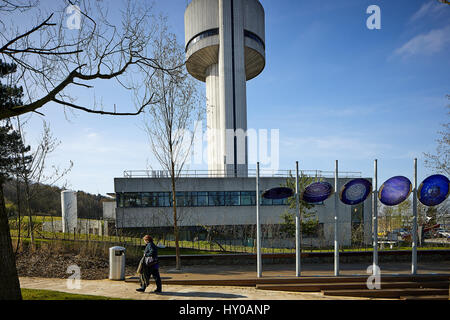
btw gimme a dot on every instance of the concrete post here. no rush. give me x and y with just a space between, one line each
258 227
414 227
336 215
375 218
298 224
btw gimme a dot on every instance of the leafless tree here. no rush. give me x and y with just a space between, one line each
54 59
34 173
170 119
440 160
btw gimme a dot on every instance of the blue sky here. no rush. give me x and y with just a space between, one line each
335 90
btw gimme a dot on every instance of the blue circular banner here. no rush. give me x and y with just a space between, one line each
433 190
395 190
278 193
355 191
317 192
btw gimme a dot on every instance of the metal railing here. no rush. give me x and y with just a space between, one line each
251 173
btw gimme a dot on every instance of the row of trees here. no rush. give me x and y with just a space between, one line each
46 200
400 216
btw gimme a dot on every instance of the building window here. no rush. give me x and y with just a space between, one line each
182 199
132 200
255 37
149 199
232 198
190 199
164 199
202 35
193 199
120 200
265 202
216 198
202 199
279 202
357 213
248 198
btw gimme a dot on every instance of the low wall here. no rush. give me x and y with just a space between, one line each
314 257
84 226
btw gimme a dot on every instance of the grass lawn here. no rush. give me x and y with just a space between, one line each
36 294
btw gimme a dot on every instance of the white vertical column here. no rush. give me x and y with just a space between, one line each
414 227
258 227
298 224
336 215
375 218
240 97
213 121
226 84
233 86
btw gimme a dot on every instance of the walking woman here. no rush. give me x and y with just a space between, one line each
149 266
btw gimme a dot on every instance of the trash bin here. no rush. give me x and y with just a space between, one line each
117 263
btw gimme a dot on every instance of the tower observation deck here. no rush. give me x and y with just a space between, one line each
225 47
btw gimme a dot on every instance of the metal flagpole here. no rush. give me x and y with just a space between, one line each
336 241
297 224
258 227
375 218
414 228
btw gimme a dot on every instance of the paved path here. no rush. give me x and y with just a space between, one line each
127 290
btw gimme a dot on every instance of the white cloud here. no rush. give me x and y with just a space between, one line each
425 43
429 8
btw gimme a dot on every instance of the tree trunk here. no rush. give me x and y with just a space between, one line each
9 280
30 218
19 216
175 225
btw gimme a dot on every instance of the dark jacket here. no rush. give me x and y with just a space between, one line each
151 250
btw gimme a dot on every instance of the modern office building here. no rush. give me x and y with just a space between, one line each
229 205
225 47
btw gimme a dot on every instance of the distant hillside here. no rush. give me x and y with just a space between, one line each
47 201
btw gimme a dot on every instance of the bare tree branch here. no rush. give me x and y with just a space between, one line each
51 59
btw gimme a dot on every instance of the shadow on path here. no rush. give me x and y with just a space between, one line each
197 294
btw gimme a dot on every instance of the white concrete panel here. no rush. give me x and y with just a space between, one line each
109 210
69 210
200 15
254 17
213 112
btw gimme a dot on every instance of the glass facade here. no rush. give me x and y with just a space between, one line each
192 199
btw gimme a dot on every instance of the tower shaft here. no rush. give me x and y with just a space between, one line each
225 48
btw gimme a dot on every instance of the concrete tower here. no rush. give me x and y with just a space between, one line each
224 42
